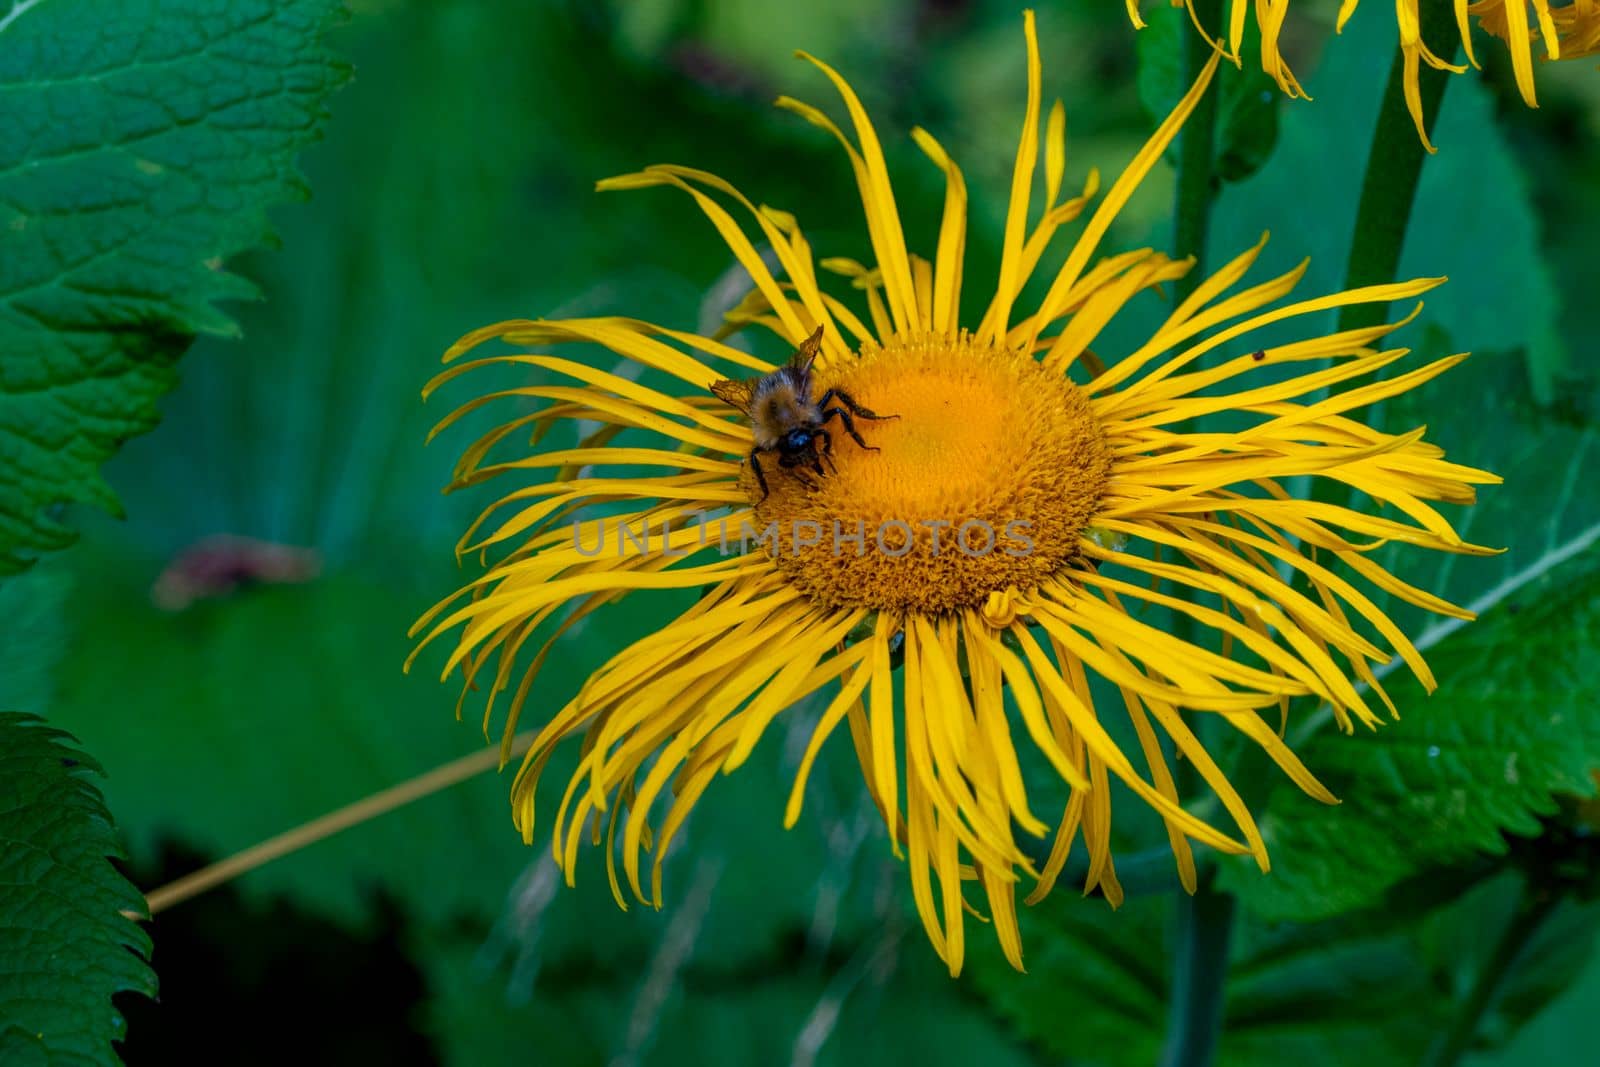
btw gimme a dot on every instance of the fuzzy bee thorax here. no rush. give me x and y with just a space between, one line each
779 403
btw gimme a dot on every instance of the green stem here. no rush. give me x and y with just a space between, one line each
1199 978
1196 149
1205 920
1532 910
1394 165
1196 192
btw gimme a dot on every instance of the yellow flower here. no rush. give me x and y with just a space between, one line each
1096 499
1566 30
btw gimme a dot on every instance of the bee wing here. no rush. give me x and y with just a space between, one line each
806 354
734 392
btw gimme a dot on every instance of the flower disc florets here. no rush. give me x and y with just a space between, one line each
982 480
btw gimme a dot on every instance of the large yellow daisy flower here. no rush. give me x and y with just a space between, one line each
1073 500
1565 30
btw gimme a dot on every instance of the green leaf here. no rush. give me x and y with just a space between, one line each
32 606
1568 1023
1374 989
65 946
1379 988
1247 118
140 147
1097 986
1247 130
1160 48
1461 939
21 1049
1516 721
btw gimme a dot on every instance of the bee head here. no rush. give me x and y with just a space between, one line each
797 440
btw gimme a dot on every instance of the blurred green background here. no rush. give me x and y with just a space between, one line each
455 188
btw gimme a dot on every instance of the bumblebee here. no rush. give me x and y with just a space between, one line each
786 420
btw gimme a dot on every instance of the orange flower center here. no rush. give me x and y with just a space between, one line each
982 480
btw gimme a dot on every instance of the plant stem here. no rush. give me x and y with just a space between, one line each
1394 165
1199 977
1196 192
1205 920
1196 148
293 840
1532 910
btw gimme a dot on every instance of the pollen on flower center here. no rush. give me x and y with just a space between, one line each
983 480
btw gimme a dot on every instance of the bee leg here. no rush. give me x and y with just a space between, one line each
850 402
827 448
761 476
850 426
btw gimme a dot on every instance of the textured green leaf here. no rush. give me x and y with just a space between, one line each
1374 989
65 946
18 1048
1516 720
140 147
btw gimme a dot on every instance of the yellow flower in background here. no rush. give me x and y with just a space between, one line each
1558 30
1073 501
1565 31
